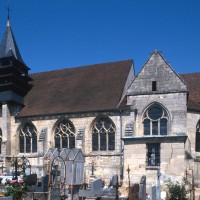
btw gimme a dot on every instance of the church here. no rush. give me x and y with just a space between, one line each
120 120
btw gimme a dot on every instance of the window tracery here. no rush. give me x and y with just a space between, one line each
28 138
64 135
103 134
0 140
155 121
197 146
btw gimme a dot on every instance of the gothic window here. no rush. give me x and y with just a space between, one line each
198 137
103 134
153 154
0 140
64 134
155 121
28 138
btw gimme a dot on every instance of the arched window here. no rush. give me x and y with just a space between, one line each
103 134
28 138
198 137
0 140
64 134
155 121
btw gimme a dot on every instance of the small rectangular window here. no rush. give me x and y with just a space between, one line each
153 155
154 88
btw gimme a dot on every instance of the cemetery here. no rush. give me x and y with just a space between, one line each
65 180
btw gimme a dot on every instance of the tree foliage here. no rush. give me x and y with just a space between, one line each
176 190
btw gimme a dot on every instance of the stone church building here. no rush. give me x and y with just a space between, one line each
120 120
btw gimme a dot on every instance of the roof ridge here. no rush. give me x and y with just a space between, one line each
189 73
82 66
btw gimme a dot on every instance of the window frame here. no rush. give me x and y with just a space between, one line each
1 139
153 154
155 126
197 138
27 135
64 128
103 125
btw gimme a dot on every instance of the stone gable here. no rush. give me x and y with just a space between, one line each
156 70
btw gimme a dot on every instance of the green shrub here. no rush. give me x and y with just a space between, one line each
176 190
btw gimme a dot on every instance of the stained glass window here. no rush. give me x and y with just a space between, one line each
198 137
103 134
64 134
155 121
0 139
28 138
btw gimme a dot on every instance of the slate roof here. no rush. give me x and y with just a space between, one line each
76 90
9 46
192 81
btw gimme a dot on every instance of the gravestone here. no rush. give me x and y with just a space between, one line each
42 185
96 187
134 192
114 181
153 193
31 179
142 190
55 194
94 191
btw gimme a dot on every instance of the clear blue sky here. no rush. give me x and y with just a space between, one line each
56 34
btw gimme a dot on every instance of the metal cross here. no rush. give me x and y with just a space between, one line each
128 170
92 168
8 8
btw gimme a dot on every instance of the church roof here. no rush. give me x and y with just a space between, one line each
9 46
96 87
192 81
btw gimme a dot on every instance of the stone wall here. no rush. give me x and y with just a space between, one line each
107 163
172 162
192 120
174 104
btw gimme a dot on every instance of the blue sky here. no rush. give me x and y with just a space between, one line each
56 34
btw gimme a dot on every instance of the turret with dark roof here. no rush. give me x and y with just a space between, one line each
9 46
14 79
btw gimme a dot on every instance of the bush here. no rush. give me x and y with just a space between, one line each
176 191
16 189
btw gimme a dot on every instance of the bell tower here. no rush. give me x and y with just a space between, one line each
14 79
14 85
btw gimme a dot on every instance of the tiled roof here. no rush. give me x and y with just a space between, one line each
192 81
76 90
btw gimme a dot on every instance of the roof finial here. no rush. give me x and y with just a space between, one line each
8 8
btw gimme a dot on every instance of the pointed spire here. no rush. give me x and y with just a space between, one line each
8 22
9 44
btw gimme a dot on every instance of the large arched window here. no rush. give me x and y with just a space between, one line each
0 140
27 138
103 134
64 134
155 121
197 146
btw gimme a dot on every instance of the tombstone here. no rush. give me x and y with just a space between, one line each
142 189
55 194
42 185
134 192
153 193
163 195
31 179
44 182
114 181
96 187
94 191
